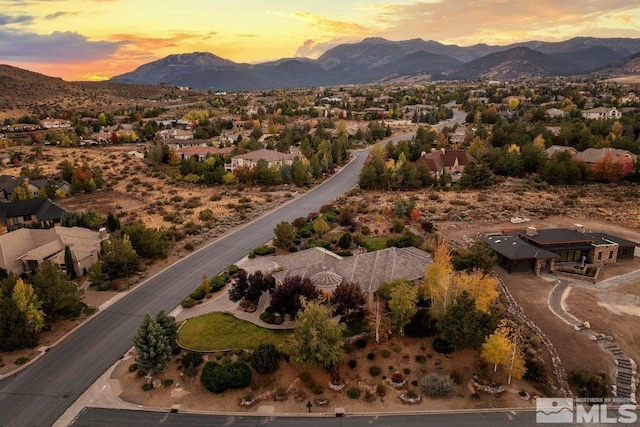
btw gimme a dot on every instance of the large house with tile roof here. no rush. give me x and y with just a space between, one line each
326 270
22 250
251 158
445 161
592 155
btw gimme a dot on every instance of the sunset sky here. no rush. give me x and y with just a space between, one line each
97 39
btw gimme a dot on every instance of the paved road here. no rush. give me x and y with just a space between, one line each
95 417
39 394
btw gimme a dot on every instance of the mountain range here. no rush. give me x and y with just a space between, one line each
376 60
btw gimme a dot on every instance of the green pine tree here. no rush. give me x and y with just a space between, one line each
69 264
154 351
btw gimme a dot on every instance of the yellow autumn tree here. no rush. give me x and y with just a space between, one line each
517 365
402 159
538 142
442 285
25 298
477 148
390 164
504 348
482 288
497 347
438 281
174 157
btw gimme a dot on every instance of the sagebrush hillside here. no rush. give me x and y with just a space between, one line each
24 92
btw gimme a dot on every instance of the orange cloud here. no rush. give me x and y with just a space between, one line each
495 21
332 26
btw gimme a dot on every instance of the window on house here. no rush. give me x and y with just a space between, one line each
26 218
611 255
599 256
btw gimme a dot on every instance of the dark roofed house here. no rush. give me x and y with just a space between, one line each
533 248
8 183
26 212
515 255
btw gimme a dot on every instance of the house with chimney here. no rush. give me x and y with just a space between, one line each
449 161
536 249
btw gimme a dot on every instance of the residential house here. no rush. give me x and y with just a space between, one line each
55 123
22 250
351 130
376 112
460 134
592 155
175 134
535 249
30 212
251 159
103 137
602 113
183 143
554 113
35 185
557 148
370 269
8 184
201 153
447 161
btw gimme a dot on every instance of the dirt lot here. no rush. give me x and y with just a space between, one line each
612 312
190 394
135 190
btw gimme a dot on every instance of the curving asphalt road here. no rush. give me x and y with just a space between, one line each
40 394
95 417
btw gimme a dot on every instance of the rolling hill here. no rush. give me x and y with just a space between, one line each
24 92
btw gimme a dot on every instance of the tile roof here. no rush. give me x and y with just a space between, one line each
369 269
592 155
203 151
439 159
42 244
8 182
268 155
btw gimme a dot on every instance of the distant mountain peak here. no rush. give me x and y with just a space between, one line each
376 59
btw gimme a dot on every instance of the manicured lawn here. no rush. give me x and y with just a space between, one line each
223 331
375 243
